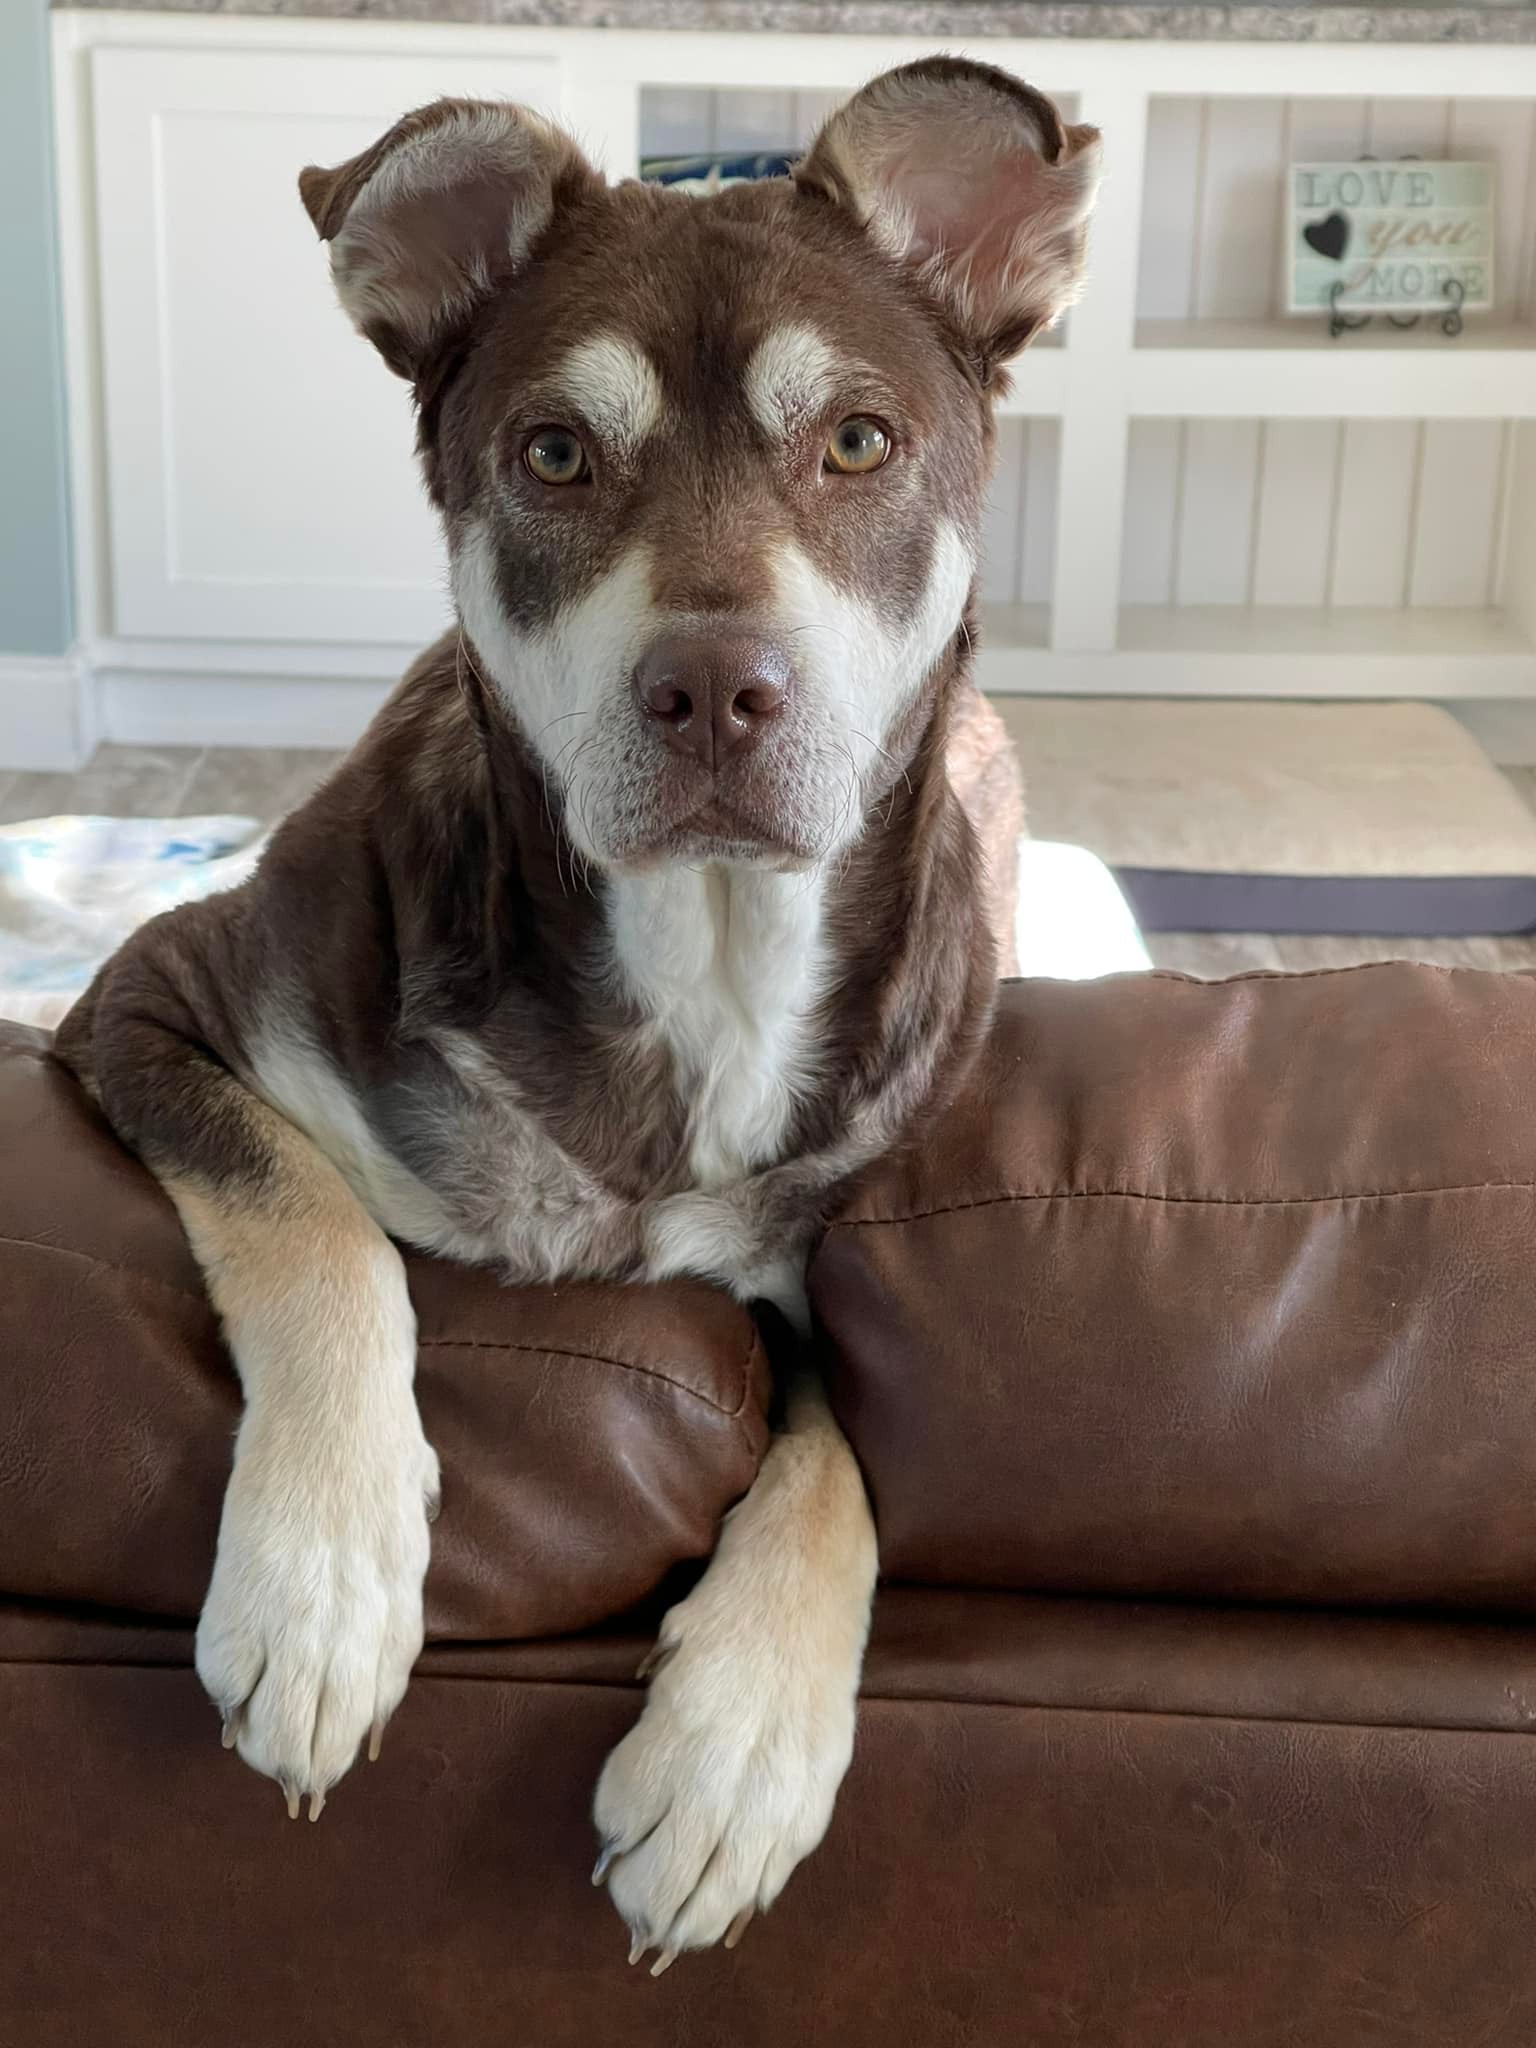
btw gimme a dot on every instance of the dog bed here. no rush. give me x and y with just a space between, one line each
72 889
1283 817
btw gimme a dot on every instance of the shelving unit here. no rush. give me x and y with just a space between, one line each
1195 494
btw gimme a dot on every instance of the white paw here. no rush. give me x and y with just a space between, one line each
313 1618
725 1783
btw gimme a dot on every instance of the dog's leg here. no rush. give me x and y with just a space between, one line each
727 1780
313 1618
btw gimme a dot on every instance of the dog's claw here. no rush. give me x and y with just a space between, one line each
637 1949
600 1868
664 1962
292 1795
375 1741
654 1658
230 1733
316 1805
739 1926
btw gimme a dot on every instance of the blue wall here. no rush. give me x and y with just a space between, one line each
36 608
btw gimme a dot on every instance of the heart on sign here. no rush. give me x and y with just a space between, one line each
1329 237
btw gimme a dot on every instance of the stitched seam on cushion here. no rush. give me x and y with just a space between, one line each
64 1251
873 1699
596 1358
1477 1187
1303 973
1026 1706
1236 1717
202 1302
1018 1706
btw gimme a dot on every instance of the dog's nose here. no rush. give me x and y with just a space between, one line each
713 694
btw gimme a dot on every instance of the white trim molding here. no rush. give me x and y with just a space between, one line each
237 693
236 711
47 711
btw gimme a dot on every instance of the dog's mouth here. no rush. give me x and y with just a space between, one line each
719 831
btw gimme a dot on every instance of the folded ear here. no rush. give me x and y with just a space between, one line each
973 179
425 224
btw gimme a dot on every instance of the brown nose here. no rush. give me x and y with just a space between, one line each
712 694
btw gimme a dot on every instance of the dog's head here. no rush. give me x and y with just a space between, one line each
712 470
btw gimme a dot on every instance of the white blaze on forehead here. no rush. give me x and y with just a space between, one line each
613 384
793 372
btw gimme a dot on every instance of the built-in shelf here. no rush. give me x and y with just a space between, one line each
1308 334
1192 369
1268 650
1015 628
1193 495
1428 632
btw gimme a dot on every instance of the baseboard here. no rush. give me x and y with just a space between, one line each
47 712
235 711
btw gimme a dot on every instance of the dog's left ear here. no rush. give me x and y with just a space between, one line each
972 179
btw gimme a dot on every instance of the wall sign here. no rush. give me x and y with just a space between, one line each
1393 235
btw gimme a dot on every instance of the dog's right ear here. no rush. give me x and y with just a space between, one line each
427 223
972 180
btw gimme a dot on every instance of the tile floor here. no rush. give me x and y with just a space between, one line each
264 782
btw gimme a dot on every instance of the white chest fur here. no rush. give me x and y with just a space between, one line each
730 965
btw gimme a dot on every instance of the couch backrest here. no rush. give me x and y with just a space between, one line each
1211 1289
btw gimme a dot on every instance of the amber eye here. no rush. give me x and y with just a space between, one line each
858 446
555 456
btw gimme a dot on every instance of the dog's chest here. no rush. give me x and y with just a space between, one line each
727 972
632 1147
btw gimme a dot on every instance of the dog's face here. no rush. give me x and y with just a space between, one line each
712 469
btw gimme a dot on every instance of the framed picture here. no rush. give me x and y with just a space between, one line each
1395 235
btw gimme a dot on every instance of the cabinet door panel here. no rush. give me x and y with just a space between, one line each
260 474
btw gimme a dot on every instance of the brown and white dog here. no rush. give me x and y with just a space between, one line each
644 914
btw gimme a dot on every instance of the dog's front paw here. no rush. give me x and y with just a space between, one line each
725 1783
313 1618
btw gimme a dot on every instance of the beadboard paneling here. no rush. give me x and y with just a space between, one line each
1298 470
1213 560
1315 512
1374 523
1154 467
1457 513
1019 530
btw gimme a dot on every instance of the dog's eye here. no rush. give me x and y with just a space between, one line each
858 445
555 456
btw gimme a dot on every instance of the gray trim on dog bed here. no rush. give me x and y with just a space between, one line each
1224 815
1379 906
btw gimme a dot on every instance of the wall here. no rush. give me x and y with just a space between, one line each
36 610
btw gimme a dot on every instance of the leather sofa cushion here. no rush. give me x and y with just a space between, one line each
1217 1290
591 1437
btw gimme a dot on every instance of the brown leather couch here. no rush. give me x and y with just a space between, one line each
1191 1368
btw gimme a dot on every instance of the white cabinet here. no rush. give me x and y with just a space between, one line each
1194 494
259 471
